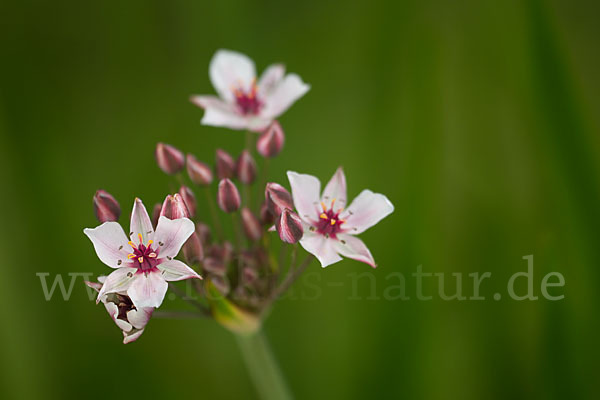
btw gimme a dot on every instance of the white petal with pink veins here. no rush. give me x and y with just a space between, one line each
219 113
284 95
171 234
113 311
352 247
365 211
139 317
229 70
270 79
110 243
305 192
148 290
175 270
336 189
140 223
118 281
128 338
321 247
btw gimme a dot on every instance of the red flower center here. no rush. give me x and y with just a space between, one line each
144 257
248 102
329 223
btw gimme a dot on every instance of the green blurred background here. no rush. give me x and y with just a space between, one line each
478 119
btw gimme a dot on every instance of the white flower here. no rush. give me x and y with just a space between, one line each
330 226
244 102
145 263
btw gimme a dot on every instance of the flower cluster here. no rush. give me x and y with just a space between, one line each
237 278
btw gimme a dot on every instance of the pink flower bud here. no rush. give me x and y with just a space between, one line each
199 172
245 168
192 249
277 198
106 207
189 199
156 214
225 165
270 142
289 226
174 207
228 196
169 159
251 225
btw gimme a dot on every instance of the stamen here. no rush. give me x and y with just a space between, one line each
332 221
152 255
332 202
323 216
324 206
132 244
150 242
141 259
130 256
141 240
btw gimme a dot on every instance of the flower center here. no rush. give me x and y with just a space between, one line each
247 101
144 257
329 223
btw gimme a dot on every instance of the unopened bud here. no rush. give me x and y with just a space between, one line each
192 249
169 159
156 214
228 197
270 142
289 226
106 207
252 227
199 172
189 199
174 207
245 168
277 198
225 165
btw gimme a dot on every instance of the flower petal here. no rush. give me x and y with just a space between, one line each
113 311
352 247
140 223
219 113
118 281
230 69
365 211
305 192
148 289
321 247
283 96
128 338
270 79
175 270
336 189
171 234
110 243
138 318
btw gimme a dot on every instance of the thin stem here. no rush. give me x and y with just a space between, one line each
262 181
213 213
188 300
178 314
291 277
262 367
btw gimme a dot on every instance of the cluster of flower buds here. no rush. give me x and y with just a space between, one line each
280 205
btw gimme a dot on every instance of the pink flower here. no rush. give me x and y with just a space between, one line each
144 264
129 319
244 102
330 225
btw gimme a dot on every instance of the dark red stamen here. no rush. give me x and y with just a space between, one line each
329 223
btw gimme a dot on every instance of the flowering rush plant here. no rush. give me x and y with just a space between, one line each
235 276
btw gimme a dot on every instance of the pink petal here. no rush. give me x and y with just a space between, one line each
113 311
140 223
283 96
171 234
110 243
354 248
128 338
336 189
230 69
365 211
321 247
305 192
148 290
118 281
270 79
175 270
138 318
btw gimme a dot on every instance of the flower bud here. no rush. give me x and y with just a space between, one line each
192 249
228 196
156 214
169 159
174 207
270 142
225 165
199 172
245 168
278 198
189 199
249 275
289 226
251 225
106 207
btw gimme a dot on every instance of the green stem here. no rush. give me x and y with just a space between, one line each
262 367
